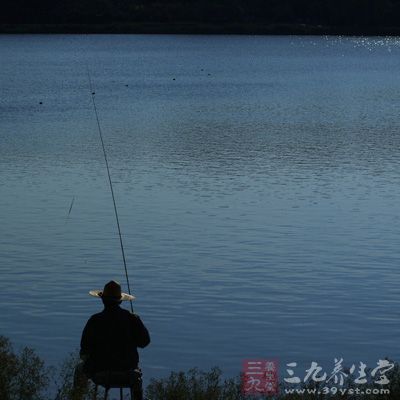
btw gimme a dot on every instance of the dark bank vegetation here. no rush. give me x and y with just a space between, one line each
24 376
203 16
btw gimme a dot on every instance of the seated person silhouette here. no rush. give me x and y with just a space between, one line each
110 338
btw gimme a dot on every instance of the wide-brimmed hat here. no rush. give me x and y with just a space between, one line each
112 291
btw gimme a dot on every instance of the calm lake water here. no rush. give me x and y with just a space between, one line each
258 183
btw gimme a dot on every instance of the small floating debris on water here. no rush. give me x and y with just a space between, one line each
126 85
209 74
70 209
40 102
93 93
173 79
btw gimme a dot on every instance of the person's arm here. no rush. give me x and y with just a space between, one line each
141 334
86 340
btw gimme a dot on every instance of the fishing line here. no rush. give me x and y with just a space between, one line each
109 181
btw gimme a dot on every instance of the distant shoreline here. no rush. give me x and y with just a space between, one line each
196 28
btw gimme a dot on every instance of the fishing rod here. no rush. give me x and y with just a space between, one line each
92 92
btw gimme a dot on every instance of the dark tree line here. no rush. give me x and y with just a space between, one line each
339 13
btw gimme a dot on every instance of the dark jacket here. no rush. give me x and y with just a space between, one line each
110 340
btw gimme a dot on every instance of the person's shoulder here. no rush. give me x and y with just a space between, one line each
135 316
129 314
96 316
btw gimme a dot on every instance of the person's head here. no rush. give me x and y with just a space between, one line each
111 294
108 302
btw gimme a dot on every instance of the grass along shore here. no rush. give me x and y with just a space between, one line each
25 376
